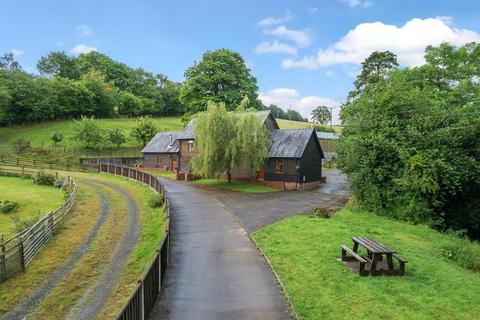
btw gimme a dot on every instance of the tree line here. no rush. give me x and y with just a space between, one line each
410 143
91 84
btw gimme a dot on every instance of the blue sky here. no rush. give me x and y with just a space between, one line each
303 53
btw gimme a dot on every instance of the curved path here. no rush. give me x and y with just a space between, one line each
93 298
215 270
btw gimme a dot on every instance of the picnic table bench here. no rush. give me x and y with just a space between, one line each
375 252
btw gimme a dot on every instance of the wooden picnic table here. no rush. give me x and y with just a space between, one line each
375 253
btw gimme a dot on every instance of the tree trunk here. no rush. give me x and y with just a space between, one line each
229 176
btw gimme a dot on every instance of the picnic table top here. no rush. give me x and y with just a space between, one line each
372 245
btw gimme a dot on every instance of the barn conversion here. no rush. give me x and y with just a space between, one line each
294 158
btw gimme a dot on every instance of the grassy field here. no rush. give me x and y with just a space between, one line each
164 174
289 124
234 185
304 253
32 200
77 226
39 134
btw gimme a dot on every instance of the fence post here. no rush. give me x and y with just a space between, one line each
50 221
21 253
142 300
2 261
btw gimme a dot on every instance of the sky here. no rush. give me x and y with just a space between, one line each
303 53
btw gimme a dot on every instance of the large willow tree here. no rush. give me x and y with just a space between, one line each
226 140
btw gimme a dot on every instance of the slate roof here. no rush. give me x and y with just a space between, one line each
188 133
327 135
163 142
289 143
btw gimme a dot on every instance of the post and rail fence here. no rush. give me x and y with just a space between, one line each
140 303
67 165
17 252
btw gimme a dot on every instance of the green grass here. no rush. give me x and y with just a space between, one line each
32 199
234 185
289 124
39 133
164 174
304 253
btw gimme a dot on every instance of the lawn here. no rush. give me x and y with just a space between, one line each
289 124
234 185
39 134
32 199
304 253
164 174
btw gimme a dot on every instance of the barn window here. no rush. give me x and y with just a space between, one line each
190 145
279 166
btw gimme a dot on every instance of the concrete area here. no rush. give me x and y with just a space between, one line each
256 210
215 270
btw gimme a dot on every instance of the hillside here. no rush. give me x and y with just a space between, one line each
289 124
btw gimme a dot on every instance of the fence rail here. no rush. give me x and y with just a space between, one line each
17 252
140 303
42 164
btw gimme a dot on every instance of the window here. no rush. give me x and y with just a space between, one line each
190 145
279 166
159 160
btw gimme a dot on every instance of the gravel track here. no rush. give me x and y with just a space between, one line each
98 293
22 310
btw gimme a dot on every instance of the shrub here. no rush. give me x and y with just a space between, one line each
21 224
323 212
43 178
56 137
155 201
60 183
7 206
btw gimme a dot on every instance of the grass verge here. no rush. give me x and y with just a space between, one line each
164 174
304 252
234 185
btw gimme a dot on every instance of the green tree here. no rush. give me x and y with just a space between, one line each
58 64
250 146
144 130
322 115
130 105
214 140
104 95
8 62
294 115
117 137
88 132
221 76
374 68
277 112
409 142
56 137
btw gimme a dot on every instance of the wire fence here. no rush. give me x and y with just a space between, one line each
140 303
17 252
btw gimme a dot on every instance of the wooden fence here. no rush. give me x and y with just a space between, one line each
140 303
43 164
18 251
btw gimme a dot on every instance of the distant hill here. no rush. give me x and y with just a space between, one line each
289 124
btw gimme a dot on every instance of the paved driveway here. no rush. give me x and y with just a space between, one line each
215 271
255 211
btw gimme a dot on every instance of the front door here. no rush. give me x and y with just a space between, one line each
174 163
261 174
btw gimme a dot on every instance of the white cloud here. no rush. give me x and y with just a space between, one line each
313 10
288 97
331 74
275 47
408 42
270 21
300 37
17 52
84 30
82 48
357 3
58 43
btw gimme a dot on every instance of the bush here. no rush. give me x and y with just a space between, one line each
60 183
21 224
7 206
155 201
43 178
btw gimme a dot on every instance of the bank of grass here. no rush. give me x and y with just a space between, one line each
289 124
304 253
40 132
233 185
164 174
33 200
58 250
